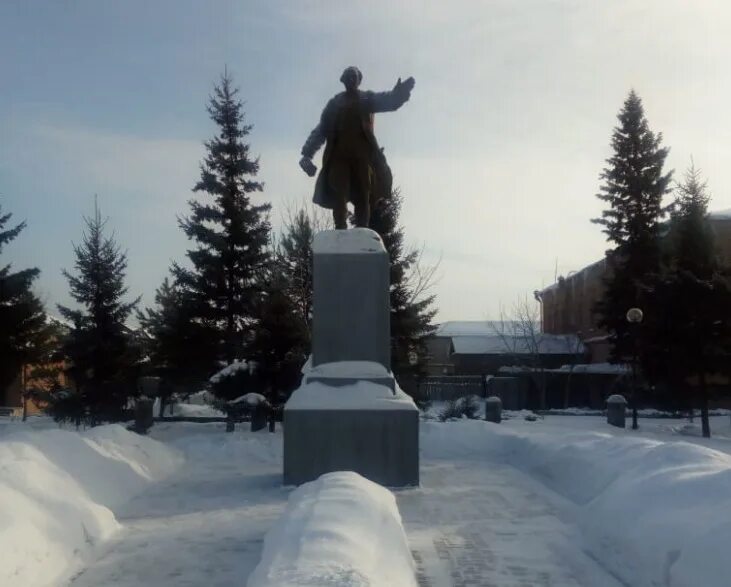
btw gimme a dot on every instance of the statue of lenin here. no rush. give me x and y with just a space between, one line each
354 168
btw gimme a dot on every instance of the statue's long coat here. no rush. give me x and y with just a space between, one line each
326 132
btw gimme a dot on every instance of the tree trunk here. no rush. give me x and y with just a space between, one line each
705 424
24 395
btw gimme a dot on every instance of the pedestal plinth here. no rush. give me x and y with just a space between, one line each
349 414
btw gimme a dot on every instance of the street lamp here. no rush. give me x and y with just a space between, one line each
634 317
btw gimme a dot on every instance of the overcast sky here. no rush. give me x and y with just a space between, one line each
497 153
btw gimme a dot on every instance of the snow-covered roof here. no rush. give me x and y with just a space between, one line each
471 328
721 215
549 344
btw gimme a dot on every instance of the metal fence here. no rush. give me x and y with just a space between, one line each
450 387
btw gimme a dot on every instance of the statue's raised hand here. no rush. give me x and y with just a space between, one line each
406 86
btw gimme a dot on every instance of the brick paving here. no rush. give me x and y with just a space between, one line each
478 525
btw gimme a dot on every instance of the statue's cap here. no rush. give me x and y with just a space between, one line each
352 68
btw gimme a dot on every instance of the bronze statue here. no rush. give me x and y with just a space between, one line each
354 168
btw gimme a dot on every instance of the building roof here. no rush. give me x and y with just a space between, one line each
470 328
496 344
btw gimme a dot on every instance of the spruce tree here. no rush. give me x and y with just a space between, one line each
22 317
281 341
689 334
634 187
180 352
231 233
99 347
295 262
411 311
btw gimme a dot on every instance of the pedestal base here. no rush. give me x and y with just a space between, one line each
375 435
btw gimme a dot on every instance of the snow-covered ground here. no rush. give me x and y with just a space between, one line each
59 490
562 501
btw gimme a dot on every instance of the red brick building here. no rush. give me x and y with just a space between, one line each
567 305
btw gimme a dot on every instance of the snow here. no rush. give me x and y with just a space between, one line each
347 242
250 399
471 327
193 407
598 368
338 530
721 215
651 512
56 490
232 369
362 395
564 500
355 369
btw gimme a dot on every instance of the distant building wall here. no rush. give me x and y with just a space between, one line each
439 361
567 307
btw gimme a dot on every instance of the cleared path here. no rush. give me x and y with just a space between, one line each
472 523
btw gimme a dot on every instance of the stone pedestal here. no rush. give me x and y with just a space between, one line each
361 427
351 306
349 415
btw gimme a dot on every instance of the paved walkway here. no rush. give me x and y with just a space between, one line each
205 526
471 524
475 524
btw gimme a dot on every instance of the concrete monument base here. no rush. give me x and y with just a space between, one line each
349 414
362 427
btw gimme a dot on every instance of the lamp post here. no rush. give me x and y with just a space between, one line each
634 317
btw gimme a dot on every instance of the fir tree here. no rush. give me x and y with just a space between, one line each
179 349
295 261
689 334
634 186
231 233
99 346
281 340
411 312
690 236
22 317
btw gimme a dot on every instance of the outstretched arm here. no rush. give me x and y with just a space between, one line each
392 100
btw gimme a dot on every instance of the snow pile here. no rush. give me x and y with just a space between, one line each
232 369
196 405
362 395
652 512
339 530
355 369
56 488
250 399
347 242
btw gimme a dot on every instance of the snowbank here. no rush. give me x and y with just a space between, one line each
56 488
339 530
652 512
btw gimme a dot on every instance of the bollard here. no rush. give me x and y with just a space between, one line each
230 422
493 409
143 415
616 409
259 417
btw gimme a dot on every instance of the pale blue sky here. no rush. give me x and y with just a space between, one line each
497 153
